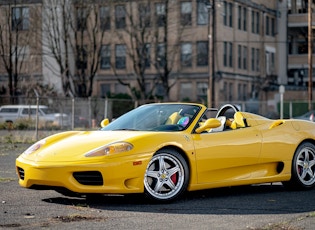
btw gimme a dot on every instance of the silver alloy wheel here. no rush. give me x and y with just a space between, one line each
305 166
165 176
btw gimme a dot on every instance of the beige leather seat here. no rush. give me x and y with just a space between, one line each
222 119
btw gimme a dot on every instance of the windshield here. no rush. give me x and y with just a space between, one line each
156 117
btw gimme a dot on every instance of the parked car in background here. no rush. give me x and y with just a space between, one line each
12 113
309 116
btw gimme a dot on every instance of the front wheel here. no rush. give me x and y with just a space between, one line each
303 168
166 176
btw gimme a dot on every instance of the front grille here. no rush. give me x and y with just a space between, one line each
89 177
20 173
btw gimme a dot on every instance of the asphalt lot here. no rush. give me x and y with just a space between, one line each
248 207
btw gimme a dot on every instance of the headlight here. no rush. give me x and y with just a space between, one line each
110 149
35 147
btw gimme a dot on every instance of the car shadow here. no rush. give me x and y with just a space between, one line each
245 200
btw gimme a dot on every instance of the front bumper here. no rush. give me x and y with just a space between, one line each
114 177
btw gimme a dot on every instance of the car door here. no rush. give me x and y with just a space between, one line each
227 155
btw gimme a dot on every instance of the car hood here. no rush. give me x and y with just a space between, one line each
71 146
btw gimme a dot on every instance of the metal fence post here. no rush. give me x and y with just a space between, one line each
37 109
106 108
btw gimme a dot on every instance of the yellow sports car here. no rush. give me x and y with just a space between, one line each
165 149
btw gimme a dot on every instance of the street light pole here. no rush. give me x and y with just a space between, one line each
310 55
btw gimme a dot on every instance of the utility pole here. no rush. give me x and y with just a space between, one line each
210 4
310 55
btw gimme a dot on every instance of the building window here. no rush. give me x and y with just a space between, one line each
239 59
105 90
228 54
159 90
105 57
105 17
185 13
257 60
244 92
239 17
253 59
230 92
253 22
225 54
273 27
120 16
245 54
270 62
257 23
144 54
202 53
267 26
120 56
20 18
230 49
239 91
186 91
202 14
160 55
244 19
160 14
228 14
224 13
186 54
144 15
81 18
225 90
202 88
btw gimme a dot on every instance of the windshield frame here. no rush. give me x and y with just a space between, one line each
157 117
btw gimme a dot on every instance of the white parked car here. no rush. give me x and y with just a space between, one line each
11 113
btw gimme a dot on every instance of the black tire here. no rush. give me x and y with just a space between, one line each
166 176
303 168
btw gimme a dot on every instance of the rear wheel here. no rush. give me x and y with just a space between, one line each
303 168
166 176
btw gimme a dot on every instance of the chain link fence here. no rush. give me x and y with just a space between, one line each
86 113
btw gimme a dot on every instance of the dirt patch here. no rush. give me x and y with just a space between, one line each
74 218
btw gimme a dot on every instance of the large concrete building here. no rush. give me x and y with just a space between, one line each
242 61
219 50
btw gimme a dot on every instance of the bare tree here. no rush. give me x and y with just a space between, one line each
73 39
148 44
137 38
15 34
167 50
57 39
87 44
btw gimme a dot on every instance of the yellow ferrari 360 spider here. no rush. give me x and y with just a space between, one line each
165 149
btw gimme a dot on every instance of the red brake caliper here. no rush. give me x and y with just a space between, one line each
174 178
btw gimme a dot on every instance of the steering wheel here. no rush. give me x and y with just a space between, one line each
226 108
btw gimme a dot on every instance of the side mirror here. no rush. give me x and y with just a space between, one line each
104 122
211 123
